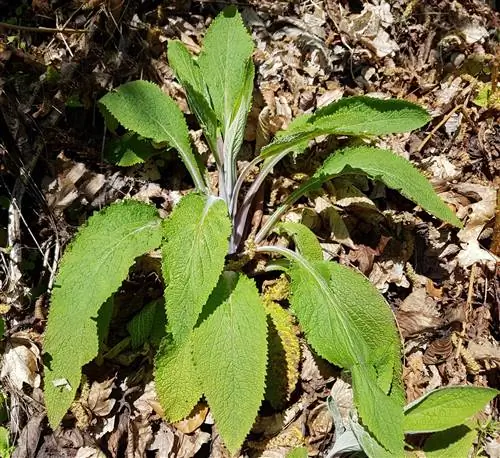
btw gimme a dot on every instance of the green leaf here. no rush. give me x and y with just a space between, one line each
394 171
227 47
348 322
141 325
299 452
197 235
339 309
2 326
128 150
92 268
305 240
381 414
229 349
176 378
142 107
356 116
445 408
369 445
188 73
234 134
454 442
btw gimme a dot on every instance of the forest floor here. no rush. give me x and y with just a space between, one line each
442 283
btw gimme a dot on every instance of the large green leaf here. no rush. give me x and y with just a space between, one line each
227 48
176 378
345 318
92 268
445 408
394 171
347 322
142 107
189 74
197 235
358 115
229 349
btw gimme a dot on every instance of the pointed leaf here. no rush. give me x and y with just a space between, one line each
454 442
445 408
382 416
142 107
197 235
358 115
229 349
394 171
176 379
347 322
92 268
227 47
233 137
188 73
305 240
339 310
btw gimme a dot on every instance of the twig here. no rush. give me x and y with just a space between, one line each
5 25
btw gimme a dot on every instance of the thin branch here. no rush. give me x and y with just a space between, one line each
5 25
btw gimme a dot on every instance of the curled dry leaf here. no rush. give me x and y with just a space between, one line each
417 313
478 215
368 28
194 420
99 401
387 272
21 362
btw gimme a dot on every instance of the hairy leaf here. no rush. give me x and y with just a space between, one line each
234 133
92 268
305 240
229 349
189 74
454 442
142 107
197 235
339 310
358 115
227 47
382 415
283 355
394 171
445 408
176 378
347 322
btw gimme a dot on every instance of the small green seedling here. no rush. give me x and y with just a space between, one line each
216 340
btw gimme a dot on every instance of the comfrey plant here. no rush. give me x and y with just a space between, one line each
218 333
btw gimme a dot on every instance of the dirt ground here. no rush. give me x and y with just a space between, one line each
442 283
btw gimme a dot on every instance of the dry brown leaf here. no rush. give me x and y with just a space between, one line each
89 452
194 420
20 362
387 272
99 401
